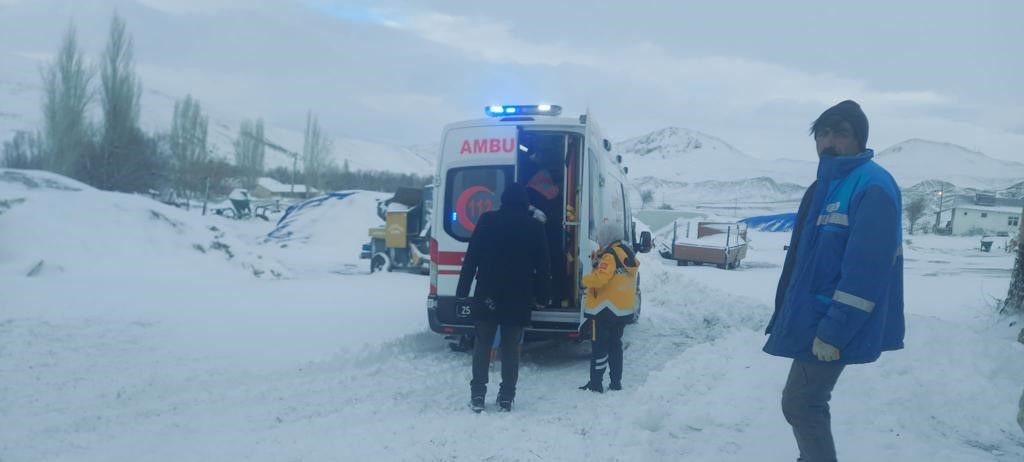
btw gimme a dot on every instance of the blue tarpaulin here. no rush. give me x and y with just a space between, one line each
781 222
282 233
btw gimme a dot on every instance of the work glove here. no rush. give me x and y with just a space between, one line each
538 214
824 351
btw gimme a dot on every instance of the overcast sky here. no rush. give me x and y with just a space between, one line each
752 73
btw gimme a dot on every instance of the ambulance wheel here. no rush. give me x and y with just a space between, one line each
380 262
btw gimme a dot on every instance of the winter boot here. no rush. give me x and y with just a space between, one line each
615 385
593 386
477 404
505 403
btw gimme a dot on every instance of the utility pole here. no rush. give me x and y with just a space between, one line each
938 215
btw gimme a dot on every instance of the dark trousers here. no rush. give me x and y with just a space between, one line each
606 349
510 335
805 405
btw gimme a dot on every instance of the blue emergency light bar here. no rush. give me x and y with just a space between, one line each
535 109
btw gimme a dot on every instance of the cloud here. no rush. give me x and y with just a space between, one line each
491 41
184 7
735 84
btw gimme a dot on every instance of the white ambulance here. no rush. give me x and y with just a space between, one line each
574 180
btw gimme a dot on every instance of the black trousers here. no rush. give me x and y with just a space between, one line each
606 349
510 335
805 405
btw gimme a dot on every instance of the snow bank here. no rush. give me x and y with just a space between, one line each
326 233
183 355
51 225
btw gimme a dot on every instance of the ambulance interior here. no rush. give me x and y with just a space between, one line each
548 165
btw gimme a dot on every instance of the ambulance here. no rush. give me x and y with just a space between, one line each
576 184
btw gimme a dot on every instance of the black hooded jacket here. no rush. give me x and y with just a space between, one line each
508 256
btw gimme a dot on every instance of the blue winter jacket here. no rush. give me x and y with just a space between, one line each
843 276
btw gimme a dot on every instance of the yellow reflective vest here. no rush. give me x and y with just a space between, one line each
611 285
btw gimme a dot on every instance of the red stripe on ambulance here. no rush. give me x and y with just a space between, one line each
450 258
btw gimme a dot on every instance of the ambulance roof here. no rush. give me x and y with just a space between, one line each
567 122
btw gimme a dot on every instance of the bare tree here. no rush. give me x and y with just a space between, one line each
316 151
23 151
187 142
250 150
126 159
66 133
646 197
914 210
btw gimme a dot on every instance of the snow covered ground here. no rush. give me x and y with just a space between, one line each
129 343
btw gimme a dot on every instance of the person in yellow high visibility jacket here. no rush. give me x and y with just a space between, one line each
610 302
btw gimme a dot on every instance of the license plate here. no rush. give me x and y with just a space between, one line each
463 310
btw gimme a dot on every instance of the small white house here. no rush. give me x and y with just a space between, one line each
987 216
267 188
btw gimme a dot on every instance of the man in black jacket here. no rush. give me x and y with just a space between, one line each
508 256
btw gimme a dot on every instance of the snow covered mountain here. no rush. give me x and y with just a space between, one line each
750 190
916 160
684 165
683 155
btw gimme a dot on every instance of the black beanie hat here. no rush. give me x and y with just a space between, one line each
515 196
849 111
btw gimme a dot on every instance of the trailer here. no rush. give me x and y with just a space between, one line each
721 244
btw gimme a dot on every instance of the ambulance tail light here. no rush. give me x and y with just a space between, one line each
535 109
433 268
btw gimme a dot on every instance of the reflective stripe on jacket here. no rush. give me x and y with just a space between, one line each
611 284
845 280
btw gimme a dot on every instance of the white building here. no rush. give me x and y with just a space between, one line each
983 214
267 188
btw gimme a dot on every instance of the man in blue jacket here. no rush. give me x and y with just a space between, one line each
840 297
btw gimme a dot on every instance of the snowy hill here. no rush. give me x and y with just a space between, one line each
683 165
52 226
930 187
683 155
916 160
751 190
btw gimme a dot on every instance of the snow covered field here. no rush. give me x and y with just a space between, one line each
128 334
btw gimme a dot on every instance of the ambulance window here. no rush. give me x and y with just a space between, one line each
469 193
